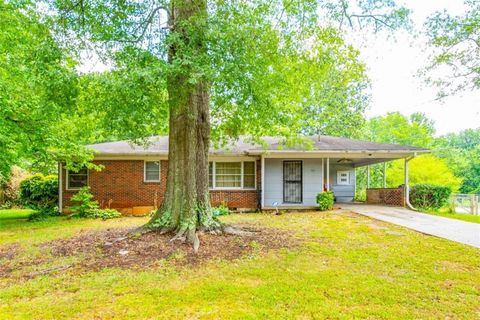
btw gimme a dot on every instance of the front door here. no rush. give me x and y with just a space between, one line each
292 181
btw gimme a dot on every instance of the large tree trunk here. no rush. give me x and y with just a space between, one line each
186 207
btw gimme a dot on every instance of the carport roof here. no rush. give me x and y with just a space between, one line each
158 145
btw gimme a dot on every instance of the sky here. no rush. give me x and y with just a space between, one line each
393 66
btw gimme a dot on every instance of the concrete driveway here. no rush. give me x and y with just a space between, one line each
455 230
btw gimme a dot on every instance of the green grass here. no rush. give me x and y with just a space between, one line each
14 227
457 216
347 266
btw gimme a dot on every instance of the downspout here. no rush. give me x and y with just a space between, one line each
406 188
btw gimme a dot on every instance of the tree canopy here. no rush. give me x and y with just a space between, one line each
457 40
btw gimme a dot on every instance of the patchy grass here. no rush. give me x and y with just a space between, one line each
345 266
457 216
14 227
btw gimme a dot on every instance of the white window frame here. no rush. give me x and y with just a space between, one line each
339 177
145 171
67 184
214 174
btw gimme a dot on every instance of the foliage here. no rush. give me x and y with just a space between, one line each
425 169
427 196
325 200
38 86
221 210
457 39
271 48
415 130
461 151
40 192
11 187
85 207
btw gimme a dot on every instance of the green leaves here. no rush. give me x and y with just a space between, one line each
457 40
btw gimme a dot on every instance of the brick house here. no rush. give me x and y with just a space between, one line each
245 175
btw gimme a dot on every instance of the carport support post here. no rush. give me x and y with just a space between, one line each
328 174
384 174
368 177
262 170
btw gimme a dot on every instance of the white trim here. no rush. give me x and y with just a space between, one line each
67 175
328 175
145 171
262 200
323 175
60 187
241 188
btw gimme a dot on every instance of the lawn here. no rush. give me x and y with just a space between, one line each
457 216
343 266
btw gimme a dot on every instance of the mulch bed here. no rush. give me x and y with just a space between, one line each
121 248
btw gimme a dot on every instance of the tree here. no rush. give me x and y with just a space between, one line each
245 67
425 169
457 40
37 86
416 130
462 153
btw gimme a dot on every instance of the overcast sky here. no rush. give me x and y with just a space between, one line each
393 66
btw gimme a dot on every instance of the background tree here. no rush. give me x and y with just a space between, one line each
37 87
457 39
461 151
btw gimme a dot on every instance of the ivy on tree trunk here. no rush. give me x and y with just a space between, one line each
186 206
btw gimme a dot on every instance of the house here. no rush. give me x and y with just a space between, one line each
245 175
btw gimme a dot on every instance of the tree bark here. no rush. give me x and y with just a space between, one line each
186 206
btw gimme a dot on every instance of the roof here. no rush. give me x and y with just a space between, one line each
158 145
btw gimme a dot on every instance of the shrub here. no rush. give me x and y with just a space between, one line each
11 186
221 210
40 193
427 196
85 207
325 200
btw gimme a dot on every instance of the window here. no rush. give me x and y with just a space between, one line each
210 174
152 171
231 175
77 180
228 174
249 175
343 177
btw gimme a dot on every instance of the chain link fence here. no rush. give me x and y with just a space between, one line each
465 203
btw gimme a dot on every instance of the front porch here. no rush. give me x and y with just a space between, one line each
293 181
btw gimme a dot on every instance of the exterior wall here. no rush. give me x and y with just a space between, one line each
312 182
121 185
343 193
388 196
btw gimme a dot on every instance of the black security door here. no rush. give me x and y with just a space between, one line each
292 181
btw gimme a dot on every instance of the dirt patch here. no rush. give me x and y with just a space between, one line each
118 247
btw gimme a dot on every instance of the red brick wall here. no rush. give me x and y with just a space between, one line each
388 196
121 185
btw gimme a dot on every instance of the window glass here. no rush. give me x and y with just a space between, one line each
77 180
152 170
249 174
228 174
343 177
210 174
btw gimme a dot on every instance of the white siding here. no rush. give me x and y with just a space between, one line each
343 193
312 182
